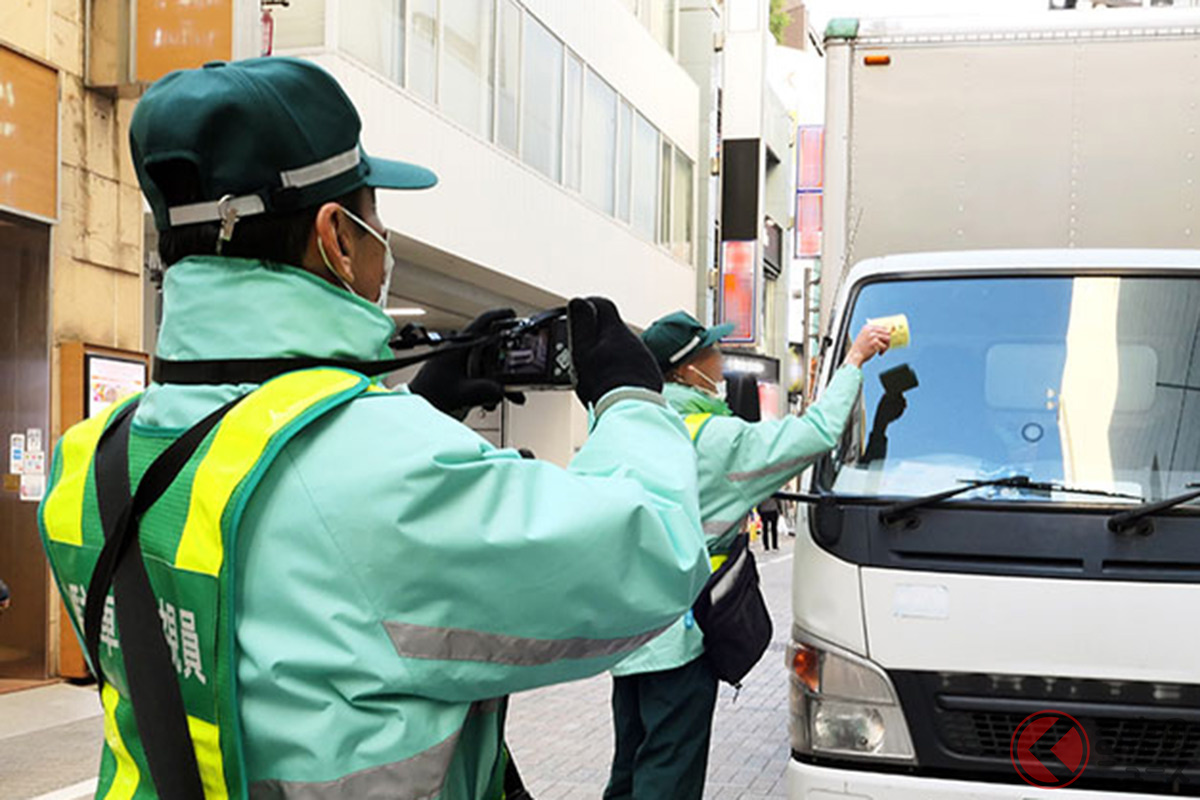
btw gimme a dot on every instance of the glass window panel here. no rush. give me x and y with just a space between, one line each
541 110
465 90
664 196
508 66
599 142
624 159
645 176
422 67
660 19
1015 362
373 32
669 25
681 227
301 24
573 124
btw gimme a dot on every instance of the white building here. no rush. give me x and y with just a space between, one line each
565 138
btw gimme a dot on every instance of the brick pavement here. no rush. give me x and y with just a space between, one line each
561 736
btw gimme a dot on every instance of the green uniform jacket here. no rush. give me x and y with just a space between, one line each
741 464
397 574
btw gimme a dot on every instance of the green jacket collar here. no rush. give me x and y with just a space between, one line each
241 308
689 400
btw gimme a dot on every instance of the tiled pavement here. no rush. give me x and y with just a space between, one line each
562 740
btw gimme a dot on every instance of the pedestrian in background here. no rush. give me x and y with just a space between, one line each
768 510
664 694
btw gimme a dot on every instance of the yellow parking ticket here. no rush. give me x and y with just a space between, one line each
898 325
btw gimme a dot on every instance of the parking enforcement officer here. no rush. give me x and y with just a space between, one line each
664 694
343 582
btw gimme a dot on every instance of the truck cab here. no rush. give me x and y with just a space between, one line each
986 603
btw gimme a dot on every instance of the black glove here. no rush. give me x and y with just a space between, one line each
444 383
606 353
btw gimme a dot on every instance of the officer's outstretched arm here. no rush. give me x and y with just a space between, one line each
752 460
494 574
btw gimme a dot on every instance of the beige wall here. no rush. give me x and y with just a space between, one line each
96 249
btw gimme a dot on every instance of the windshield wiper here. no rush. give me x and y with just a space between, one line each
901 512
1136 519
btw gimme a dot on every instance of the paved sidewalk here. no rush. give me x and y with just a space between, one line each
49 739
562 738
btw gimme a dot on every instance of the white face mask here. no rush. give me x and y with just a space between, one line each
389 262
719 388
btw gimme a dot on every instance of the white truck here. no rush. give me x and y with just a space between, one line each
996 592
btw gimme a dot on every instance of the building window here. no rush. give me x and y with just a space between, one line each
664 194
659 17
681 208
373 32
299 25
599 142
508 74
541 106
624 160
423 46
465 90
645 176
573 124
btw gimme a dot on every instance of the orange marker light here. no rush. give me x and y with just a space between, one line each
877 61
806 664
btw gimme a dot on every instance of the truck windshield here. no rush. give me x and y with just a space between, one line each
1085 381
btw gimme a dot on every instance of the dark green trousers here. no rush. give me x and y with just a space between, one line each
663 723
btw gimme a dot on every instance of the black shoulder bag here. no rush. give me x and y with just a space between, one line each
733 615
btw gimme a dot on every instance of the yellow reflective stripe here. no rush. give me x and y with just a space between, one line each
239 443
125 779
717 561
695 422
375 388
206 738
63 512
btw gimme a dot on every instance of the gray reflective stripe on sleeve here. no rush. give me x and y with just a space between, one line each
419 777
322 170
714 528
782 466
617 395
457 644
195 213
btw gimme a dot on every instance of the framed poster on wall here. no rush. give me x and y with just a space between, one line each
109 378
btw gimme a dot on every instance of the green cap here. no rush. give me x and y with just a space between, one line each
265 135
677 337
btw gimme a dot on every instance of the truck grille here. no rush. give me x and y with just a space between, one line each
1165 744
1142 736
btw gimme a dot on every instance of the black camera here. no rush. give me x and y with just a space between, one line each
531 352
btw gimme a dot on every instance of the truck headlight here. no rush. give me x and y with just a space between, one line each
845 706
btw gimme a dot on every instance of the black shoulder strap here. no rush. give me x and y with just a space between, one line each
260 370
154 690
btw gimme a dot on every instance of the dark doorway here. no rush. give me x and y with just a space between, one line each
24 405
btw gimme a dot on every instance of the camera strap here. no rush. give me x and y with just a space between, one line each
261 370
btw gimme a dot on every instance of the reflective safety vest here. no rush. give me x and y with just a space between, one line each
695 423
185 538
